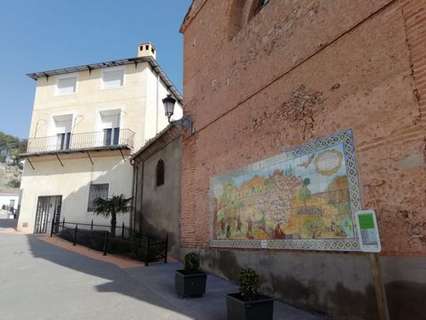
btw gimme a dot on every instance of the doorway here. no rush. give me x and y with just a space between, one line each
48 210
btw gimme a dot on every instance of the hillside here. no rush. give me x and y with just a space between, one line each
10 167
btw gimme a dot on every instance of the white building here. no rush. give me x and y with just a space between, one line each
87 120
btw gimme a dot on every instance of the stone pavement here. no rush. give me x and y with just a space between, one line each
42 281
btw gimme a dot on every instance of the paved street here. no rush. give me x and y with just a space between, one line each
40 281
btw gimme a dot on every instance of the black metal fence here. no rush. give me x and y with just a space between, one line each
123 241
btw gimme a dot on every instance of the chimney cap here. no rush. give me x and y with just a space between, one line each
147 49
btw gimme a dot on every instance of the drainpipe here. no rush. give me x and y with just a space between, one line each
139 167
141 198
133 209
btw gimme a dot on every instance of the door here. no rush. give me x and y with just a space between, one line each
48 210
111 136
63 142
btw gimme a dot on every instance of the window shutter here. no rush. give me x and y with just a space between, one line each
112 78
66 85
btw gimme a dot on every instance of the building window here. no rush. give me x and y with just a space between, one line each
111 136
110 124
159 173
66 85
62 129
241 12
236 19
112 78
63 141
257 6
97 191
263 3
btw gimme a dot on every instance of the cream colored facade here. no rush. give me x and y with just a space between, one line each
135 107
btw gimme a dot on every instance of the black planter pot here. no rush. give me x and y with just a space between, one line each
190 284
261 308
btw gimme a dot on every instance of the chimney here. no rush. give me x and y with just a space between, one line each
147 49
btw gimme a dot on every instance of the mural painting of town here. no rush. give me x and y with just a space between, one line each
281 198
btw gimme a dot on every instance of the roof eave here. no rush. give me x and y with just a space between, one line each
88 67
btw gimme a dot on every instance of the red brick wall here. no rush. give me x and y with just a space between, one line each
250 96
414 12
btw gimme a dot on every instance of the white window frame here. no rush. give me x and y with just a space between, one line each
106 70
100 125
52 130
66 76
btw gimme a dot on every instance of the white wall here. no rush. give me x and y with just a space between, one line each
155 118
139 99
72 182
90 98
141 110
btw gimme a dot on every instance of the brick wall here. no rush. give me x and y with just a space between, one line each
250 95
415 23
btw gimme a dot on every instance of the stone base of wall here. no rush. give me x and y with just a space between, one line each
337 284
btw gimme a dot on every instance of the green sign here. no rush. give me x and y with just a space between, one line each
368 232
366 221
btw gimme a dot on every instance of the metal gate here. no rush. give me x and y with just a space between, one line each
48 210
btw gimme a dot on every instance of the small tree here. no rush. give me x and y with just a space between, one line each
249 283
192 262
111 207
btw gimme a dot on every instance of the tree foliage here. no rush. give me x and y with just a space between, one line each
11 146
249 283
192 262
111 207
15 184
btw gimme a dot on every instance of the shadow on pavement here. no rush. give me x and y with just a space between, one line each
153 284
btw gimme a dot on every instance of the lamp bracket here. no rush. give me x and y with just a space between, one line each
185 122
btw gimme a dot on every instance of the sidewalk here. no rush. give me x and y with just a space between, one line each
47 279
159 278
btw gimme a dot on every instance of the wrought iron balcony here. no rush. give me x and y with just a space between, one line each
108 139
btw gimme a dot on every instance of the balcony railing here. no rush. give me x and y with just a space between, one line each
68 142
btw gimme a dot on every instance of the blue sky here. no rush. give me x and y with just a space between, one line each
40 35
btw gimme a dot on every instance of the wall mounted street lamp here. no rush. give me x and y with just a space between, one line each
169 108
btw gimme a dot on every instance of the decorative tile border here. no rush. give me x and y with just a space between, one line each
350 244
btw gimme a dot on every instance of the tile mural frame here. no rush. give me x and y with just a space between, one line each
349 244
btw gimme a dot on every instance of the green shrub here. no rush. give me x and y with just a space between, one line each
15 183
249 283
192 262
120 246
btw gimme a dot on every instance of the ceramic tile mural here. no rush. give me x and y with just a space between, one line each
304 198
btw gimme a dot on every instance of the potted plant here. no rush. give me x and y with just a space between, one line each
191 281
248 304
